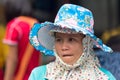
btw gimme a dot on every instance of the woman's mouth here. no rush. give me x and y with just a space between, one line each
67 55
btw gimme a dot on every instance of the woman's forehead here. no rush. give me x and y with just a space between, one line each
68 34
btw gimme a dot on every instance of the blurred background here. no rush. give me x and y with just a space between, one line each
106 15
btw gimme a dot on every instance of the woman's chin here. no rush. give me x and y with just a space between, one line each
68 60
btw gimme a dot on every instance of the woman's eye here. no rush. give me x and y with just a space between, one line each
71 39
57 39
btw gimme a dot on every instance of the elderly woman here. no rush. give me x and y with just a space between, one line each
71 40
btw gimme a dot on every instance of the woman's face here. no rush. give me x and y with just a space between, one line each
69 47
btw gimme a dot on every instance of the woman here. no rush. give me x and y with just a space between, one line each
71 40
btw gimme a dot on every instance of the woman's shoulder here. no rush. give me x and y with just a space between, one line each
38 73
40 68
108 73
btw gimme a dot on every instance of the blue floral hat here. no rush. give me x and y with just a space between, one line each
70 18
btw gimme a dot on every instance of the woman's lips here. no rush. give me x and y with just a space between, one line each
67 55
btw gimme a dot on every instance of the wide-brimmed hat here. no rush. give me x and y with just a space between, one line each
70 18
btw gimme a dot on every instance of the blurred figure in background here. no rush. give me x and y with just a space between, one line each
22 57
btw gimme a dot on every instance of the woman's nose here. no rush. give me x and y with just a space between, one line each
64 45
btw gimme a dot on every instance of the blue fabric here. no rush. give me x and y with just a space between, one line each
111 77
110 62
39 73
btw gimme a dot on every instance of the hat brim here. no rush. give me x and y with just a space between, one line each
41 39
